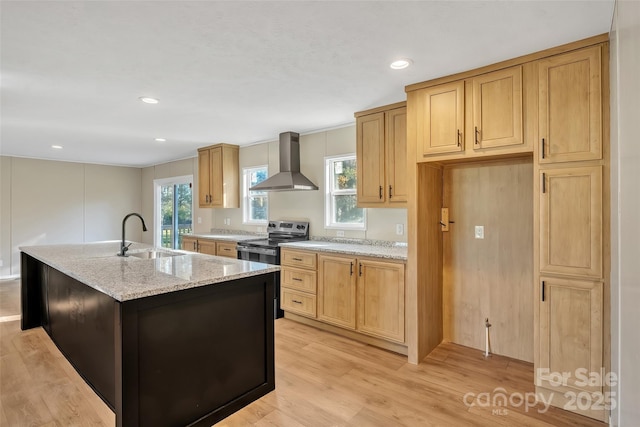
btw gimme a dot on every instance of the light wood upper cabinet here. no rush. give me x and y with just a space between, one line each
571 221
497 109
337 290
571 332
440 119
370 159
570 106
218 176
381 153
381 299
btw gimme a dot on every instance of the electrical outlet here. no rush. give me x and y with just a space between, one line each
340 233
227 221
1 263
199 220
479 232
399 229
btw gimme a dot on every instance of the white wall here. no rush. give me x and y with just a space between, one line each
625 210
51 202
309 205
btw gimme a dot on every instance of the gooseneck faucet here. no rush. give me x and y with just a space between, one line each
123 246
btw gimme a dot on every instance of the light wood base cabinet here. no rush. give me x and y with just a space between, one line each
337 290
209 246
381 299
298 283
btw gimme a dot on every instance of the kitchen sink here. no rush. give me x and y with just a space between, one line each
153 254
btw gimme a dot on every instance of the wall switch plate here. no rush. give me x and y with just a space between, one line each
399 229
479 232
1 263
227 221
199 220
340 233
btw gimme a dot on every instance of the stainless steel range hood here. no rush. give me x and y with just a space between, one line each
289 178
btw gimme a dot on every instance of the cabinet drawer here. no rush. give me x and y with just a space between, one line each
227 249
298 302
303 280
298 259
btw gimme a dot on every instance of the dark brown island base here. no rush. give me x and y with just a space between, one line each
165 339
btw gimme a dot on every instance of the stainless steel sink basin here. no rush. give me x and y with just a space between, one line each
153 254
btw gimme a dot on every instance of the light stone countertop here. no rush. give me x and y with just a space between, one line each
98 266
387 251
226 237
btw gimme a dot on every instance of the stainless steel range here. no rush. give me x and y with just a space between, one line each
268 250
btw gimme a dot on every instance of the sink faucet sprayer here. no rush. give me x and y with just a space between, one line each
123 246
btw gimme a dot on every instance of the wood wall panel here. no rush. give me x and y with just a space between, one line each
490 277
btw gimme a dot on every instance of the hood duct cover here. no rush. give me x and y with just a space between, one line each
289 178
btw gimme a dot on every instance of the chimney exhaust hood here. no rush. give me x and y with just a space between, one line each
289 178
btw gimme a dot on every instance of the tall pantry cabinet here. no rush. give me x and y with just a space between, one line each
551 109
572 222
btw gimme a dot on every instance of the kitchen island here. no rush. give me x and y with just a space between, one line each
164 338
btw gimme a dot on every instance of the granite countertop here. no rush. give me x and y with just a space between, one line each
377 249
225 237
98 266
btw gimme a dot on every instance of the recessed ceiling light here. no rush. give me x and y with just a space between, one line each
148 100
57 147
401 63
161 139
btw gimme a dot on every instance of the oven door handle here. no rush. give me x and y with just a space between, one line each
254 250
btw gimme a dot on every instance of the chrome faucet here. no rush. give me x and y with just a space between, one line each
123 246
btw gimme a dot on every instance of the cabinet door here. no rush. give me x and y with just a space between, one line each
440 119
337 290
570 106
571 332
204 178
189 244
227 249
216 178
207 247
370 159
571 221
381 299
497 109
396 150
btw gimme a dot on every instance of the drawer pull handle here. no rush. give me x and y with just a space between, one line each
296 279
381 192
296 259
477 132
459 138
296 301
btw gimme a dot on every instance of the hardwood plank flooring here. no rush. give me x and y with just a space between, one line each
321 380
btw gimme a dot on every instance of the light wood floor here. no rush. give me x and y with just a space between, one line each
321 380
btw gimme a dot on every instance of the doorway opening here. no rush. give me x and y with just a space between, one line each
173 210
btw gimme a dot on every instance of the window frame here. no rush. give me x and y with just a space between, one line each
246 202
329 205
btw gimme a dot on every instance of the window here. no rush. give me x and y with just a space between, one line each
255 203
173 211
341 209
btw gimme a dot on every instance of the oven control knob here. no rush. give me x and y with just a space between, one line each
271 224
300 227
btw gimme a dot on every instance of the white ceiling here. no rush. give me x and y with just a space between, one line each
237 71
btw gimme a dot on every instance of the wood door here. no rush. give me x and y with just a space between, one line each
204 178
337 290
189 244
570 106
440 119
497 109
370 159
396 157
571 221
571 332
216 183
227 249
381 299
207 247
